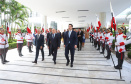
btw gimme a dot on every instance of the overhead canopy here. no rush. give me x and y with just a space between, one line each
78 12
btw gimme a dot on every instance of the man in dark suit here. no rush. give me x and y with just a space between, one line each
91 37
39 43
70 43
48 35
59 34
63 34
54 41
80 37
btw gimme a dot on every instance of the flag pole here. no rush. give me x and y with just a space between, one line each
115 41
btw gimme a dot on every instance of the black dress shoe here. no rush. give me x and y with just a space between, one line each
3 62
49 55
42 59
108 58
6 61
54 62
34 62
30 51
71 65
117 67
67 63
101 53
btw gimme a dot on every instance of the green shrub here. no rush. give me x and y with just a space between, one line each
14 40
24 43
10 41
128 47
14 44
129 54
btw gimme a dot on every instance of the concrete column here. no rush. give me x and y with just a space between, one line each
130 25
32 28
45 23
102 18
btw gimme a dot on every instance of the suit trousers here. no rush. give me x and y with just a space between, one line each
54 52
72 51
79 44
37 53
50 50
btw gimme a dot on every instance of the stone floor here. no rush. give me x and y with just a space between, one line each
90 67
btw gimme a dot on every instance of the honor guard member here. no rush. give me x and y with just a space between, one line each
19 42
95 38
109 38
29 39
120 47
3 45
103 40
98 39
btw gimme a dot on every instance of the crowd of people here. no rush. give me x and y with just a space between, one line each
72 39
103 38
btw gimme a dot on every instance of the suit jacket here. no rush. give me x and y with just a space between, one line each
59 34
39 42
54 42
73 38
81 37
48 36
63 34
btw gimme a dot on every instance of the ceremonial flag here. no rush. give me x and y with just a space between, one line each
35 30
113 22
99 23
8 29
28 30
91 26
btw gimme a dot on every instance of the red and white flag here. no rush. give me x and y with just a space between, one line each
35 30
98 23
91 26
28 30
9 30
42 29
113 22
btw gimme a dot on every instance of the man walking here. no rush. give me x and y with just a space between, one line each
70 43
54 41
80 38
39 43
48 35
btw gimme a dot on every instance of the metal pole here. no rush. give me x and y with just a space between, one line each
115 41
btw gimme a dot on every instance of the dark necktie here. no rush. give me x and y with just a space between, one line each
53 36
38 36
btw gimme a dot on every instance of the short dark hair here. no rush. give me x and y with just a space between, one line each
71 25
80 28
